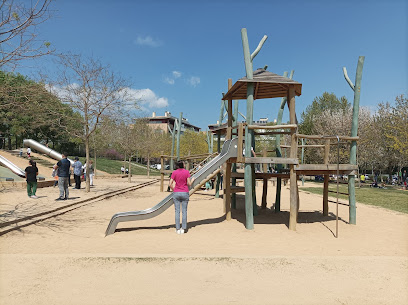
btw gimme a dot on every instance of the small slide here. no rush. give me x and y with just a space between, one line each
11 166
44 149
229 150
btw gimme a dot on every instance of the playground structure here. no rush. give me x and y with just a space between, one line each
261 84
38 147
44 149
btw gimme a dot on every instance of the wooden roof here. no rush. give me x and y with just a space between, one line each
267 85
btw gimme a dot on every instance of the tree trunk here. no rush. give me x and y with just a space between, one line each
88 185
148 165
130 169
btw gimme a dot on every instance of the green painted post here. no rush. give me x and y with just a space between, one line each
178 135
249 168
208 141
278 148
249 208
234 165
354 131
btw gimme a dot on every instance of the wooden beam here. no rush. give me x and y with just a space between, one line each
288 126
266 133
256 90
304 136
237 189
325 167
273 160
198 186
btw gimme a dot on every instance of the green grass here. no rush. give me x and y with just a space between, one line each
113 167
390 198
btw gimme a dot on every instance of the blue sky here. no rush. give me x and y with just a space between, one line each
183 52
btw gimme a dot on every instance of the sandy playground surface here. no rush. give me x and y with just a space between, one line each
68 260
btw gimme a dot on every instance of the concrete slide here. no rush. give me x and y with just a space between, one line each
44 149
229 150
11 166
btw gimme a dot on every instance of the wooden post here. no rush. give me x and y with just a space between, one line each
234 165
326 179
217 185
264 192
264 165
278 148
227 171
293 154
354 130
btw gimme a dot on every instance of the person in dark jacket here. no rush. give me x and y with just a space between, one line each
31 173
63 175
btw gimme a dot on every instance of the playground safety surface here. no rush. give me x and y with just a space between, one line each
66 259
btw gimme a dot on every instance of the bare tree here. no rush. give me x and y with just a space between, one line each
94 91
18 31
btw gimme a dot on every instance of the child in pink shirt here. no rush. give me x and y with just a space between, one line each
179 183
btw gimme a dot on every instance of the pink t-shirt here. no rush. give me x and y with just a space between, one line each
180 177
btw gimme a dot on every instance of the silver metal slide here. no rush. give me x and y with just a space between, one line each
44 149
11 166
229 150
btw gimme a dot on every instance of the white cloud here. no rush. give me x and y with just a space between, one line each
176 74
148 98
169 80
193 81
148 41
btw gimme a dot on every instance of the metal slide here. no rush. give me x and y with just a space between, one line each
44 149
229 150
11 166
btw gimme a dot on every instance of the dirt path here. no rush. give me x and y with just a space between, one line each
67 260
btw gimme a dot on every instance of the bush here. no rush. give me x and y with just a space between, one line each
112 154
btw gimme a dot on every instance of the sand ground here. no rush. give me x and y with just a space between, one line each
68 260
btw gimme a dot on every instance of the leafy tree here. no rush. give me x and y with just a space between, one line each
327 102
29 110
193 143
399 126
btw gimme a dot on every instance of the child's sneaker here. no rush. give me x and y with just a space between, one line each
34 197
181 231
177 231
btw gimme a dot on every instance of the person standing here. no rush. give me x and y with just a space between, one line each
29 152
77 172
63 173
179 183
91 173
31 173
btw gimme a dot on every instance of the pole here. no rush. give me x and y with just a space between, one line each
178 135
354 130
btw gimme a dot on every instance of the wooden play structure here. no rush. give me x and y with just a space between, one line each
240 141
261 84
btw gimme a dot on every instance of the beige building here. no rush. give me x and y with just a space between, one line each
167 122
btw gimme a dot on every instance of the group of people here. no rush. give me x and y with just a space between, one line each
62 173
